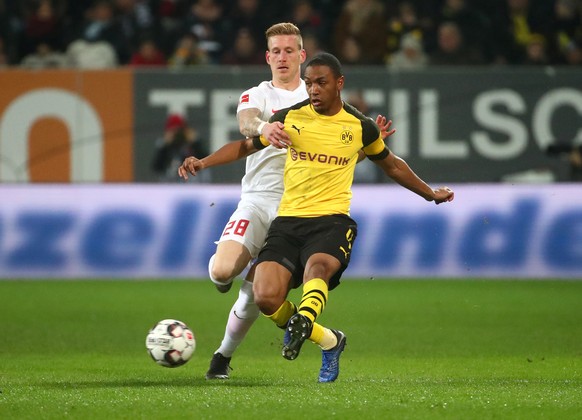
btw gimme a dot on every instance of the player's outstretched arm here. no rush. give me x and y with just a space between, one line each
397 169
228 153
251 125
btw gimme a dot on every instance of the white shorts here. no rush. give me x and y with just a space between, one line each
250 223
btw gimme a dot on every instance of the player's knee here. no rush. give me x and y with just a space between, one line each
221 272
224 266
267 304
268 299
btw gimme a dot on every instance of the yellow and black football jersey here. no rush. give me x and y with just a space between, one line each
320 163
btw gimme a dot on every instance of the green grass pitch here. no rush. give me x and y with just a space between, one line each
462 349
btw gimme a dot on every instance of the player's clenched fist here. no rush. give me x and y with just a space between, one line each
443 194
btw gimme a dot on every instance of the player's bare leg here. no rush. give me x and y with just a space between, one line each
230 259
271 290
271 286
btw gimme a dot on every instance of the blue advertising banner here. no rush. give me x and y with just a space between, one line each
168 231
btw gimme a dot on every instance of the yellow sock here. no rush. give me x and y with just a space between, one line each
282 315
317 333
314 299
324 337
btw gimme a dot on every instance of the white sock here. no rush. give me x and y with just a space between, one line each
243 314
210 264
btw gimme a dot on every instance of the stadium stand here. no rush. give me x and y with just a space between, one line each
500 32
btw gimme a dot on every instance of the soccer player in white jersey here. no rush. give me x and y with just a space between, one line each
262 185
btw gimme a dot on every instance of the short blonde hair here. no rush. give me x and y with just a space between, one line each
284 28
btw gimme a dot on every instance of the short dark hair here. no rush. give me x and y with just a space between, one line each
329 60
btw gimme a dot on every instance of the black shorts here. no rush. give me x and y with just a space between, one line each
292 240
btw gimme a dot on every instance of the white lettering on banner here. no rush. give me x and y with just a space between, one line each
544 111
78 115
374 98
429 144
399 109
499 112
110 231
485 113
177 101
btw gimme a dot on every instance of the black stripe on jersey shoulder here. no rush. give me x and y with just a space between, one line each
282 114
385 152
370 130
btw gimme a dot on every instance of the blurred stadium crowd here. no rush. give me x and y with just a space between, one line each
184 33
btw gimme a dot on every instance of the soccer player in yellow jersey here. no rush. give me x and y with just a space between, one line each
313 233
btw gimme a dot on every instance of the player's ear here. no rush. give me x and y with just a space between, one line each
267 57
340 83
302 56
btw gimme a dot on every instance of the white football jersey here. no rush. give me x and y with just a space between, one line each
264 169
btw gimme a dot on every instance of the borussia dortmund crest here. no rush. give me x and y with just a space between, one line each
347 137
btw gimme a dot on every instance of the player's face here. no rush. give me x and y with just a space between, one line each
285 57
323 89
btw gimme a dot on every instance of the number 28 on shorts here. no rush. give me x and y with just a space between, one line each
236 227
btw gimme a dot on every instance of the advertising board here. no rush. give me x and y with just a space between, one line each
168 231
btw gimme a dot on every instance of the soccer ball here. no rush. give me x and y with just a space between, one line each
171 343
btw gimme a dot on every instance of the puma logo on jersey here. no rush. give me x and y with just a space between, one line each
296 128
